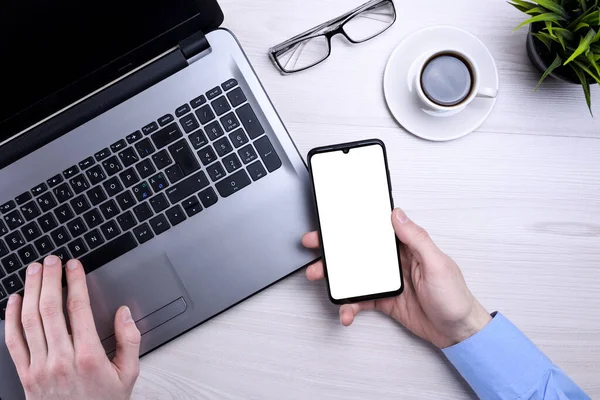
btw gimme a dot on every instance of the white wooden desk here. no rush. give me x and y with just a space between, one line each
516 204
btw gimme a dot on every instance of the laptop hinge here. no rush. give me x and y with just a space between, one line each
194 45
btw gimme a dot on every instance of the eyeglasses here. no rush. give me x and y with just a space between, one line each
313 46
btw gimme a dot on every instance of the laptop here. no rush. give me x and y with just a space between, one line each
136 136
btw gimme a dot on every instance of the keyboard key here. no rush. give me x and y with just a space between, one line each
15 240
236 97
118 146
23 198
187 187
175 215
93 218
6 207
63 193
3 229
125 200
159 224
229 84
102 154
158 182
165 119
63 254
134 137
128 157
64 213
129 177
95 175
46 202
233 183
88 162
250 122
142 212
60 236
108 252
198 139
3 305
191 206
256 170
31 231
93 239
76 227
174 173
247 154
39 189
166 136
142 191
43 245
151 127
3 251
27 254
230 122
144 148
162 159
113 186
55 180
77 248
208 197
214 92
184 157
47 222
189 123
198 101
30 211
221 106
12 284
223 146
96 195
109 209
267 153
70 172
232 163
143 233
126 221
110 230
112 165
214 131
182 110
159 203
145 168
216 171
14 220
79 184
207 155
205 114
80 205
11 263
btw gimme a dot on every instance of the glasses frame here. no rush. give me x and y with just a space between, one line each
327 29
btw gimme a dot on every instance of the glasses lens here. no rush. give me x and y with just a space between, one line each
303 54
370 22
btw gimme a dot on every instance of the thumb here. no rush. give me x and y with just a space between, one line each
412 235
127 359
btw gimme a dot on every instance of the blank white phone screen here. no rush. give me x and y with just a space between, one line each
353 201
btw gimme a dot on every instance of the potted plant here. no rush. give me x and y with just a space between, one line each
564 40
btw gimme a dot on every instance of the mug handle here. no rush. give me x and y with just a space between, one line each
487 93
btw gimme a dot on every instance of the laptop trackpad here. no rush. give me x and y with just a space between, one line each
151 289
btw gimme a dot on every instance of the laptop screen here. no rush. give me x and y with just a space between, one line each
55 52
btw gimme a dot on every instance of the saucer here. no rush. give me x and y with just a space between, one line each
400 91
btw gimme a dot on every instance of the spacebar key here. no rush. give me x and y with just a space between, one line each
110 251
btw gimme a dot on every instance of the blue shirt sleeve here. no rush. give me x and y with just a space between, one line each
500 362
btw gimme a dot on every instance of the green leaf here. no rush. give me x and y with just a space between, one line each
584 44
546 39
581 25
540 18
592 18
597 37
587 71
552 6
586 86
523 4
565 33
536 11
555 64
591 58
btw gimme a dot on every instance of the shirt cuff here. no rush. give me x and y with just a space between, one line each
499 361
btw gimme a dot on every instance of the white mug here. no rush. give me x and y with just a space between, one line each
454 74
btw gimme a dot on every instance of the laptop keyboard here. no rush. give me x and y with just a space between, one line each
138 187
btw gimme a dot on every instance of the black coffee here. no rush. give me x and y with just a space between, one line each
447 79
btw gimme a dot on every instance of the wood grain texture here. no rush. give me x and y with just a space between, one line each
516 204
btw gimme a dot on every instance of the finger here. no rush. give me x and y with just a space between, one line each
51 309
349 311
13 334
83 328
315 271
127 357
311 240
30 314
412 235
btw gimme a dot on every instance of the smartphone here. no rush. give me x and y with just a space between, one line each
353 194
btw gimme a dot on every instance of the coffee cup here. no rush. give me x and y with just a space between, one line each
449 81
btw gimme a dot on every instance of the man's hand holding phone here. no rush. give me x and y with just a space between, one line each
436 304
